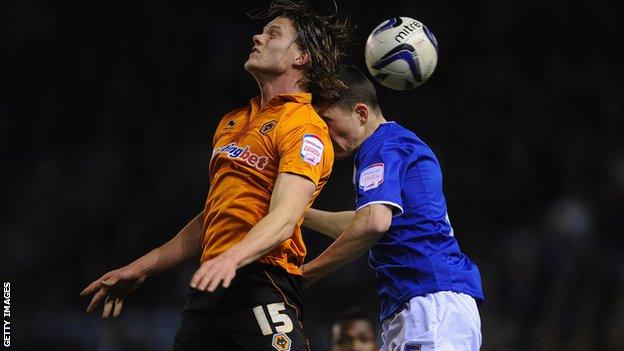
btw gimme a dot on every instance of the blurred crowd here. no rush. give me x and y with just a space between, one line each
106 118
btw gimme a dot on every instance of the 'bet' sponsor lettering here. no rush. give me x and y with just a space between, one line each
244 153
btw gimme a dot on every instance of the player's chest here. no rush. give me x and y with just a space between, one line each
257 131
245 143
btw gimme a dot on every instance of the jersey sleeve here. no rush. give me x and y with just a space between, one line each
306 150
379 176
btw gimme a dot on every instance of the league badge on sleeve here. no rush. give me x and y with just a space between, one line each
372 176
312 149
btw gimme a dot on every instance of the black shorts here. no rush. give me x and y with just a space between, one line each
261 310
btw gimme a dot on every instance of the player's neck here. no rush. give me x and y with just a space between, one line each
374 121
282 84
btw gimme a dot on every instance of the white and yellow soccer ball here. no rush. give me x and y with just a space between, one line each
401 53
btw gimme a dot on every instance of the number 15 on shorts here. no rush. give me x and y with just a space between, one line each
280 321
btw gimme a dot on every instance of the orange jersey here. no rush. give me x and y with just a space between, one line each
251 146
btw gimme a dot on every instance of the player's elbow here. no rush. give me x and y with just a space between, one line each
379 223
288 228
381 226
284 221
380 218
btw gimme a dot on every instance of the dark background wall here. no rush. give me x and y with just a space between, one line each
106 117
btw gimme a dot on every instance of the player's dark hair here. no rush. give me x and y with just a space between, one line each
325 38
358 89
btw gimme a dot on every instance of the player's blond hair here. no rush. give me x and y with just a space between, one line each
326 38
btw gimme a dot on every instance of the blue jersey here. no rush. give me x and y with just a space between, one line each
419 254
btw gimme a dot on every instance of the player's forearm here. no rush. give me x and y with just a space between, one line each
291 195
268 233
328 223
185 245
358 237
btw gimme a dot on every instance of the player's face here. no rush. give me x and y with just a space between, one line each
274 50
345 130
355 335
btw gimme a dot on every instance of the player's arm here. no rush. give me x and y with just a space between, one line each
328 223
184 246
368 225
291 195
115 285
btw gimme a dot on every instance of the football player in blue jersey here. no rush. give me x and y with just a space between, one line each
429 289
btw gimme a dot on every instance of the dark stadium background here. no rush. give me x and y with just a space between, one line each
107 112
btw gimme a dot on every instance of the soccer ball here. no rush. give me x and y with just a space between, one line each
401 53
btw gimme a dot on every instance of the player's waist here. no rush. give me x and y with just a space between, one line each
284 256
255 283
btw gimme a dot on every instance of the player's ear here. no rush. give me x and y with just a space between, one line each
302 59
361 110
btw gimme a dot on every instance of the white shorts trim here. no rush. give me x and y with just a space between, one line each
441 321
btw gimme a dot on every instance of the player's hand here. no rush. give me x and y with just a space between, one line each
113 287
309 277
212 273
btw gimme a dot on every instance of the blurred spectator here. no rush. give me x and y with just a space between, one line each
353 331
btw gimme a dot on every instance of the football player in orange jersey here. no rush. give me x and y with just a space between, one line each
270 159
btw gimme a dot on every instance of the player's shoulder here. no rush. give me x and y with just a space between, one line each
392 134
405 135
230 122
401 131
392 137
303 114
236 112
230 118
